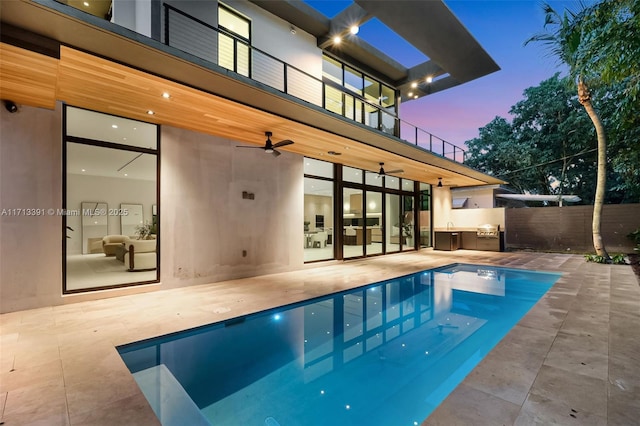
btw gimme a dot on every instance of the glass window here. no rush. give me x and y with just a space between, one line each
333 100
111 201
393 223
372 90
332 70
318 219
407 223
233 48
388 98
373 179
374 222
234 23
425 215
353 80
349 174
392 182
318 168
353 233
407 185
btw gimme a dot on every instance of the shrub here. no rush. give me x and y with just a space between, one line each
616 259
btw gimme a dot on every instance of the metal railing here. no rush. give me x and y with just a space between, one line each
193 36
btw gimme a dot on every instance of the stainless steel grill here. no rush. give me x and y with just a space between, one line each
488 231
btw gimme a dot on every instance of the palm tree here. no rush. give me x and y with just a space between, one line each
563 37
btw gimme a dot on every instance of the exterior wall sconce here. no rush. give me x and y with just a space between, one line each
439 182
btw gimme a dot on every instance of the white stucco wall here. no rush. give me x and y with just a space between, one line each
472 218
444 214
205 222
30 178
272 34
134 15
476 197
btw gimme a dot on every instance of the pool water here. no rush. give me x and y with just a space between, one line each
384 354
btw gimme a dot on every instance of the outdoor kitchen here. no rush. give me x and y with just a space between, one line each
487 237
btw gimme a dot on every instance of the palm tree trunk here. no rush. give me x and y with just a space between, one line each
584 96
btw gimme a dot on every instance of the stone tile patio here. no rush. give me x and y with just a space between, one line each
574 359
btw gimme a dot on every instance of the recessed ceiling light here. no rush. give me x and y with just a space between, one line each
429 79
354 29
126 174
84 170
415 97
414 85
150 113
410 94
337 40
115 126
86 3
166 95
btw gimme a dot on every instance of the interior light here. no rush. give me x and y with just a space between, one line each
115 126
150 113
414 85
354 29
86 3
410 94
84 170
337 40
166 95
126 174
429 79
415 97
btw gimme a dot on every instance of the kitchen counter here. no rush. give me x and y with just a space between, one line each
465 238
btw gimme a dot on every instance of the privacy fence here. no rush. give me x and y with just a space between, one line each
568 228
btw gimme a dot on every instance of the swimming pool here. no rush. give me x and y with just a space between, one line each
384 354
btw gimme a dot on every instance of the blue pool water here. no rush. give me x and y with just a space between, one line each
384 354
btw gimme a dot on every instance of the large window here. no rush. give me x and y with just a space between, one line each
110 200
358 96
318 210
234 40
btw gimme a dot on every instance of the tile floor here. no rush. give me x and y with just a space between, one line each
573 360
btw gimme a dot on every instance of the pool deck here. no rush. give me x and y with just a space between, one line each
574 359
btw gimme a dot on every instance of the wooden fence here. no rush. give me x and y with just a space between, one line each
568 228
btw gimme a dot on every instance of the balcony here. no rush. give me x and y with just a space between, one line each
193 36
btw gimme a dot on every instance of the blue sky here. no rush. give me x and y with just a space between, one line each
501 27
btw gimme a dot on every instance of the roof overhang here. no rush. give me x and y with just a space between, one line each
540 197
430 26
126 73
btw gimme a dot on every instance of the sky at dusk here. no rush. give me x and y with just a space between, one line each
501 27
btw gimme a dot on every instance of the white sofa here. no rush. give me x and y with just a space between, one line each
140 255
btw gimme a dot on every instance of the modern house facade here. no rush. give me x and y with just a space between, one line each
140 112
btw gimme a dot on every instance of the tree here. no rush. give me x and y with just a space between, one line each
567 37
546 149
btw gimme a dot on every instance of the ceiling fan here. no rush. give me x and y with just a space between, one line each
382 172
270 147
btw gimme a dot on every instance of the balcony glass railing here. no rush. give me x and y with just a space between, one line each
193 36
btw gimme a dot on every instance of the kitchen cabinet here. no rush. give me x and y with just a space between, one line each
446 240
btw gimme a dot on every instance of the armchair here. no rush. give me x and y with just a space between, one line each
141 255
111 242
319 239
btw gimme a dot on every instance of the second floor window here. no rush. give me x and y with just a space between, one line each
234 40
